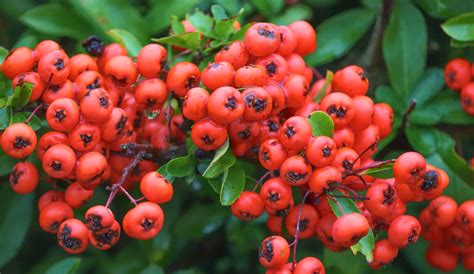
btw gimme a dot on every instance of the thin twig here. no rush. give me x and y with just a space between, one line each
124 191
407 113
295 241
40 106
259 181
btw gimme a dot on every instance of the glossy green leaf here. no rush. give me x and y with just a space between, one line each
223 159
268 7
190 40
404 47
387 95
216 183
335 41
460 27
65 266
429 85
232 185
444 9
57 20
162 10
181 166
323 90
176 26
125 38
321 123
18 214
3 53
163 171
382 172
218 12
202 22
199 219
152 269
293 13
367 243
458 44
27 39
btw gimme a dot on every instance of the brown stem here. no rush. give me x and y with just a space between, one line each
126 171
363 152
317 74
259 182
124 191
295 241
406 114
40 106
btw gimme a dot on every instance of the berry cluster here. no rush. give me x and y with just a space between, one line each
459 76
449 228
95 109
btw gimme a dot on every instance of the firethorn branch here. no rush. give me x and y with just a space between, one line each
260 181
126 171
363 152
38 108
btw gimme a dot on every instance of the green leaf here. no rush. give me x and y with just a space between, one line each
190 40
321 123
202 22
125 38
429 85
57 20
293 13
163 171
382 172
27 39
152 269
65 266
199 219
223 159
5 117
176 26
367 243
18 213
387 95
181 166
218 12
322 91
444 9
232 185
458 44
460 27
162 10
3 53
404 47
268 7
335 41
25 94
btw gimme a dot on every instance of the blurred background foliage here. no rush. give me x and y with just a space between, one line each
400 43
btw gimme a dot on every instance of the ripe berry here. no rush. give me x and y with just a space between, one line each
306 37
182 77
409 168
340 107
151 93
87 81
384 253
288 41
309 265
443 211
457 73
275 66
90 168
248 206
73 236
24 177
296 64
18 140
274 224
49 197
195 104
344 137
308 221
324 179
54 67
250 75
59 161
96 106
44 47
122 70
84 137
275 193
349 229
156 188
150 60
296 89
109 51
381 199
404 230
77 196
258 104
345 160
271 154
262 39
225 105
106 239
431 185
274 252
63 114
295 133
32 78
51 217
465 215
208 135
19 60
441 258
144 221
54 92
50 139
217 75
115 126
364 110
278 97
365 142
324 232
80 63
383 119
295 170
321 151
350 80
467 98
99 218
235 54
